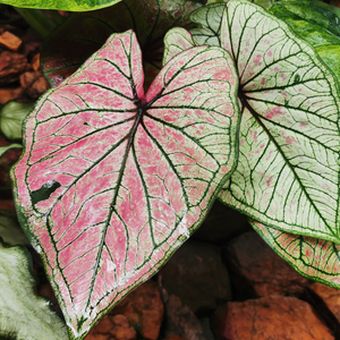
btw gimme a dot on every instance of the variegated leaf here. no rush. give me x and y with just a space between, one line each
176 41
23 315
113 180
314 258
288 172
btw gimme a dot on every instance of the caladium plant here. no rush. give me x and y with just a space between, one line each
113 179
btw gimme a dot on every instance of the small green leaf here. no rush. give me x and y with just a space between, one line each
287 173
4 149
12 116
10 231
64 5
318 24
315 259
23 315
316 13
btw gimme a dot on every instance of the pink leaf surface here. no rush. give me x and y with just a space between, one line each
113 180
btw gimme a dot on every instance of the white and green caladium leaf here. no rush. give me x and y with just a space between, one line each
176 41
112 180
12 116
287 174
314 258
65 5
23 315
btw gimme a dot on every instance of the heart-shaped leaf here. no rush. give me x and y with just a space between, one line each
112 181
65 5
287 175
316 259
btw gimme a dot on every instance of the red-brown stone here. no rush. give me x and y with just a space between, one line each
269 318
257 268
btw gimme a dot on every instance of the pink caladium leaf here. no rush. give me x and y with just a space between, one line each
287 175
314 258
113 180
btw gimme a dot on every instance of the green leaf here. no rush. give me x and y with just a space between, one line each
287 173
64 5
10 231
4 149
317 23
23 315
317 26
12 116
315 259
330 54
41 21
316 13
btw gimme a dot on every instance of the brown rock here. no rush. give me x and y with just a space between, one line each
10 41
270 318
112 327
12 64
36 62
197 276
104 326
330 297
181 322
34 83
259 271
144 310
28 78
122 329
93 336
8 94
